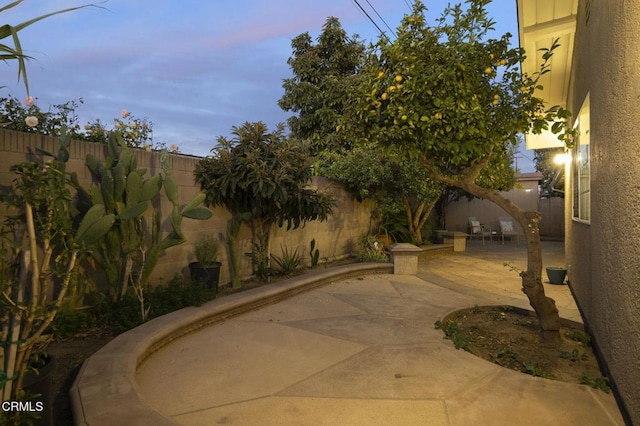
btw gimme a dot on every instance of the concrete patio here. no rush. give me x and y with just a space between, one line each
363 351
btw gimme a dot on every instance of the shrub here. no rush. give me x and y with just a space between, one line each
370 249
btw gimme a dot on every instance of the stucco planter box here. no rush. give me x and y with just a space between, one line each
405 258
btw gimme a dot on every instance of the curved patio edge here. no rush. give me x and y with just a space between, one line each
105 391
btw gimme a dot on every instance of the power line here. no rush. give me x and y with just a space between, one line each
381 18
408 5
369 17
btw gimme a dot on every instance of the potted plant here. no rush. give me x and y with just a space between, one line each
556 274
206 268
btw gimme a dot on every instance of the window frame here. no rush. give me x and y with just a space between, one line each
581 167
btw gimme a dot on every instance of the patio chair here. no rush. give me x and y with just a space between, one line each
477 229
507 228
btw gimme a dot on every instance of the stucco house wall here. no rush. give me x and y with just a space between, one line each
603 256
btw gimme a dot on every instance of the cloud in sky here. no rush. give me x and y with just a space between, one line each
193 68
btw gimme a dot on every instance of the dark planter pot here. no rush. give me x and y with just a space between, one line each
556 274
208 273
41 386
438 236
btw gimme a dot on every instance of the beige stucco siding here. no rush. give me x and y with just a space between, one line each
605 254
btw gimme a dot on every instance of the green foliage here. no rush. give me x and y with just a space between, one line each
395 224
206 249
69 322
43 241
13 115
401 187
288 262
497 316
121 189
323 73
264 174
574 356
175 295
264 177
451 332
532 368
370 249
583 338
314 254
136 132
321 77
447 93
507 355
601 382
259 256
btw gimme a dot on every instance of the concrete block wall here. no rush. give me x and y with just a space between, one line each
335 238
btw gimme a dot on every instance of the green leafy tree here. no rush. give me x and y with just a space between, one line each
402 189
323 73
316 91
455 100
263 177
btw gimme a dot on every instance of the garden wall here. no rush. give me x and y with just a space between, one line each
525 194
335 238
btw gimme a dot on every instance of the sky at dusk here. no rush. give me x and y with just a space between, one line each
194 68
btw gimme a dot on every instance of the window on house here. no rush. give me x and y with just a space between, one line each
581 167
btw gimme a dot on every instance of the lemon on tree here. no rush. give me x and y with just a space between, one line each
471 148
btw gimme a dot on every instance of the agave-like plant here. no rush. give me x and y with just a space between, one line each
15 52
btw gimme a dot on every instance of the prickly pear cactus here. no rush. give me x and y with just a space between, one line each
125 192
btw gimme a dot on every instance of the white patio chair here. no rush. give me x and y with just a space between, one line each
478 230
509 229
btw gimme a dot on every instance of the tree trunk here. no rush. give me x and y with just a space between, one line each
532 287
544 306
417 217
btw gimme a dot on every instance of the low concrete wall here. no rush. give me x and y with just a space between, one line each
105 390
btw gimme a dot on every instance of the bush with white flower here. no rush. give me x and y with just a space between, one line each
137 132
27 116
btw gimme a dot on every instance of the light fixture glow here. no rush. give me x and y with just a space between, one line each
560 159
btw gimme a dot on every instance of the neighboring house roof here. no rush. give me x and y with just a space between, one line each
540 22
520 177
